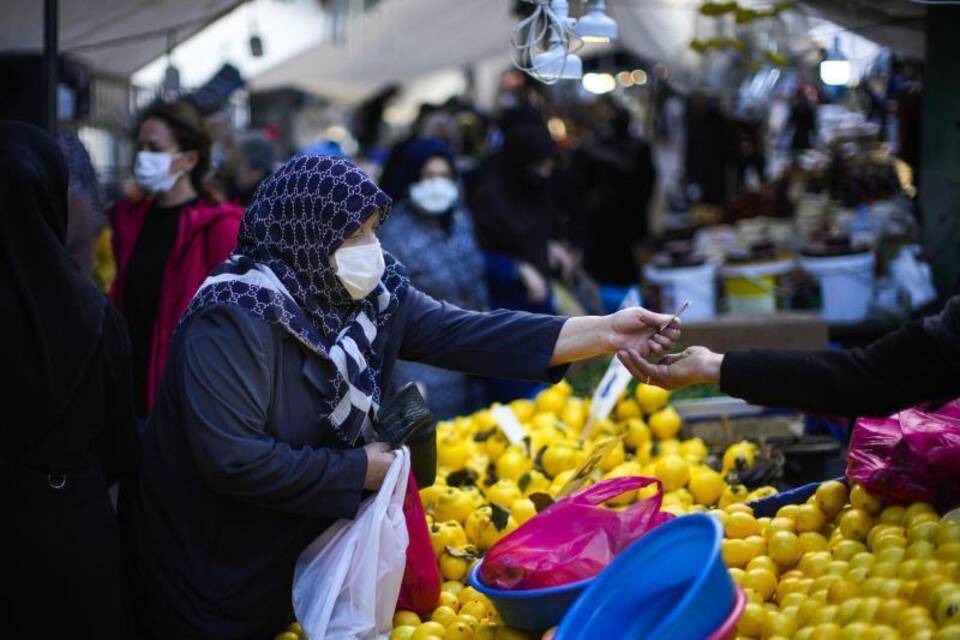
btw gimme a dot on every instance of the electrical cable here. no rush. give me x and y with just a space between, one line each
542 25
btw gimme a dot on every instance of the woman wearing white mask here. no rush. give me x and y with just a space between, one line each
260 437
431 234
166 243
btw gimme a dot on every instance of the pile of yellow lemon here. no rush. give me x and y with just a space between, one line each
486 487
845 566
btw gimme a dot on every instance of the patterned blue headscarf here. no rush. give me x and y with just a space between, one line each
281 272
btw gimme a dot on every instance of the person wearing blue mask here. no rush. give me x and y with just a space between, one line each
431 233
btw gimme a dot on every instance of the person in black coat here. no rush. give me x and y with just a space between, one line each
617 178
919 362
67 412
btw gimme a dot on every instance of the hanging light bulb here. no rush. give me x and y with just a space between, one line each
596 25
556 62
835 68
599 83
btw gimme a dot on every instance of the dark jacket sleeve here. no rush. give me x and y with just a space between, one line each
229 360
918 362
118 444
495 344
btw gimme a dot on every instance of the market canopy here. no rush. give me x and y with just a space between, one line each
403 39
113 37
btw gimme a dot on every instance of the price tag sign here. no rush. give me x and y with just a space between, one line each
614 381
508 423
590 464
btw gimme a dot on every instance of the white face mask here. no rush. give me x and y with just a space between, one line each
152 171
360 268
434 195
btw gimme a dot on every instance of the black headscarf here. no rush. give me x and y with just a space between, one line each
511 205
52 313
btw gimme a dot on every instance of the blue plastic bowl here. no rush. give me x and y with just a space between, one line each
671 584
531 609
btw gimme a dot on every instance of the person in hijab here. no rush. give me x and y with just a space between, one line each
261 436
67 417
166 243
515 214
617 177
431 234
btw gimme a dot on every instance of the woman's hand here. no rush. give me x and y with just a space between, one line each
379 458
536 285
636 331
629 333
696 365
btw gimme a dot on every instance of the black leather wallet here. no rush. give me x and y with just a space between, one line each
404 415
406 419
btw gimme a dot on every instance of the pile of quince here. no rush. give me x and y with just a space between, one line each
487 487
843 565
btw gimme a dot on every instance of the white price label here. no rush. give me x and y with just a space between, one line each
508 423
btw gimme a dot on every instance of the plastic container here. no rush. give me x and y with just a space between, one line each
532 609
695 283
812 459
671 584
768 507
846 284
751 287
728 630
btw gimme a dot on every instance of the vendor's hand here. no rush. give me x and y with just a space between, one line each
536 285
379 458
696 365
634 334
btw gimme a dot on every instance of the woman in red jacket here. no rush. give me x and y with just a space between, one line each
166 243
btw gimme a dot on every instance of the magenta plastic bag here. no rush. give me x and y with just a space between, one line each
910 456
572 539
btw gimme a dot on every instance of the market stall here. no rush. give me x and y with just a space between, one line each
522 545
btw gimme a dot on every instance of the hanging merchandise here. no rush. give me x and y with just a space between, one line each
544 44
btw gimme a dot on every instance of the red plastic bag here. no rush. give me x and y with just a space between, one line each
420 589
572 539
913 455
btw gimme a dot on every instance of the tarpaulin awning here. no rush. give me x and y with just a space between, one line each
113 36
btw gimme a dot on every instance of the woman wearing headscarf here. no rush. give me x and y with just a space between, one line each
67 416
431 234
514 214
166 243
261 436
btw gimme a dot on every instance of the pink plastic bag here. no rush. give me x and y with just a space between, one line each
573 539
420 589
910 456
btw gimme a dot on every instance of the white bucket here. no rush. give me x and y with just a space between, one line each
696 284
751 288
846 284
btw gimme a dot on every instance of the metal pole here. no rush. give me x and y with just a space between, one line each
50 63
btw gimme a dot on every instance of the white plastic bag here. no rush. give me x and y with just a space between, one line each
346 583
